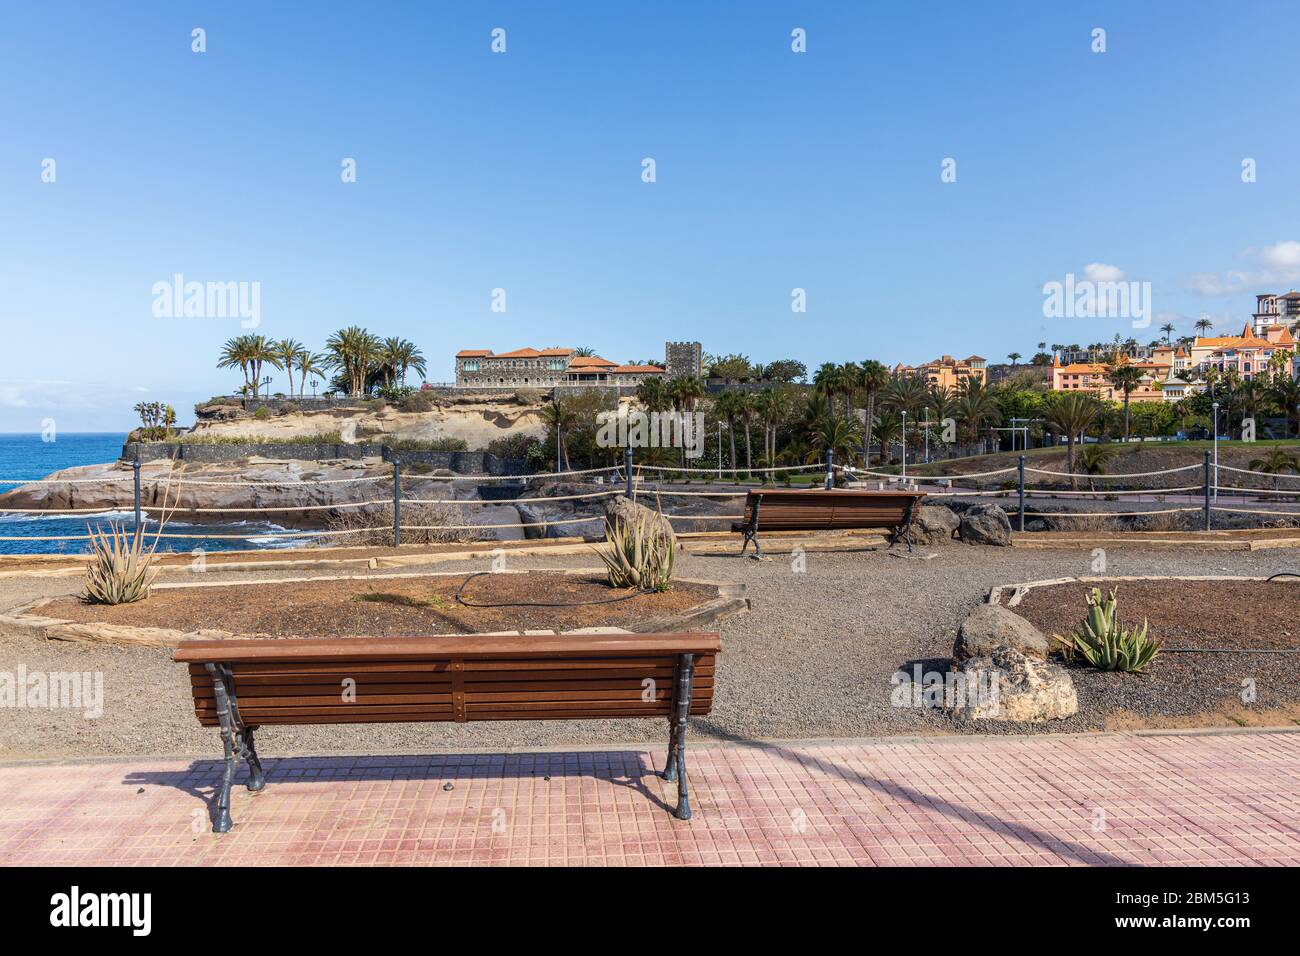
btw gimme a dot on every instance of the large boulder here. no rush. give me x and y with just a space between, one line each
991 626
632 511
985 524
934 524
1008 685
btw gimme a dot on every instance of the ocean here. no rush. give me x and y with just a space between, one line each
28 457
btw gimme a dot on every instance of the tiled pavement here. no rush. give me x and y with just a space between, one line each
1060 800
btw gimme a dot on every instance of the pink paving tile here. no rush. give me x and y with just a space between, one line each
1063 801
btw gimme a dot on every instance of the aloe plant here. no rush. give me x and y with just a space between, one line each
1104 643
121 568
637 554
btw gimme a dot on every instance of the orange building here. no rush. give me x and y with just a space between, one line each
947 372
1091 376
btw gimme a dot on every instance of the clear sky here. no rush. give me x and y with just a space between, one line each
523 171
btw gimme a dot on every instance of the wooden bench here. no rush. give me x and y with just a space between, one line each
241 685
822 510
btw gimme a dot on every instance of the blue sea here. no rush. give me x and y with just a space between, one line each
29 457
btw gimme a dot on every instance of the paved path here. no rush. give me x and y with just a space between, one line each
1059 800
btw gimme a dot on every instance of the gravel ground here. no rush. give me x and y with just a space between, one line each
812 659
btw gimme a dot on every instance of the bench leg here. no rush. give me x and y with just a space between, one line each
256 778
221 822
677 754
670 763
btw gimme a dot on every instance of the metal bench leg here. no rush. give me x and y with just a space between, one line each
256 778
670 763
245 749
221 816
682 708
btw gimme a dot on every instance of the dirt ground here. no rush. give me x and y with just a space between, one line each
1183 614
390 607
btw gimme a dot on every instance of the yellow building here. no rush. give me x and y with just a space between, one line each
947 372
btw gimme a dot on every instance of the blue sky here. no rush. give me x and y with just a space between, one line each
522 171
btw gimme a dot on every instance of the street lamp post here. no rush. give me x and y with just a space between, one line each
1215 408
904 411
927 436
720 427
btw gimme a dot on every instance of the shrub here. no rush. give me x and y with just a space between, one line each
121 568
637 554
262 413
444 443
421 524
320 438
290 408
1104 643
518 445
421 400
396 394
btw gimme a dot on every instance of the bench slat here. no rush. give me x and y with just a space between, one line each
467 647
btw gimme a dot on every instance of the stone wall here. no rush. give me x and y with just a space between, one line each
458 462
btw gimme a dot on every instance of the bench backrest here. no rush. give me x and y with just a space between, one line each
453 678
816 510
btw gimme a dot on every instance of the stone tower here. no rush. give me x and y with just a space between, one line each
683 359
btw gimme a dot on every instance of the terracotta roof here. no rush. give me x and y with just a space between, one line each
590 361
641 369
473 353
556 352
519 353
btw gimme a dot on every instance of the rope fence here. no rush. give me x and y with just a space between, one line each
635 480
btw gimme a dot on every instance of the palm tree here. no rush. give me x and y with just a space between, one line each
584 351
975 407
236 354
1285 391
728 406
653 395
772 405
686 391
829 380
559 417
1015 357
354 351
909 394
838 434
1276 462
747 409
260 351
398 356
1093 460
310 364
887 427
1168 329
1248 396
1204 325
1071 414
286 353
873 378
1126 377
